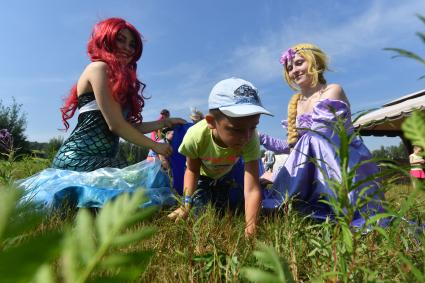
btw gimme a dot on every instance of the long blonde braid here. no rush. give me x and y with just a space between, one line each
317 65
292 118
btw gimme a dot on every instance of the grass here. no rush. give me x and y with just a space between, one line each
214 249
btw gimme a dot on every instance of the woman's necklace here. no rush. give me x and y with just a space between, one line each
304 99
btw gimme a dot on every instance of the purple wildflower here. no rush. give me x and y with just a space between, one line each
6 140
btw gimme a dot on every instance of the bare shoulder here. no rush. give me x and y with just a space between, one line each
94 72
336 92
96 67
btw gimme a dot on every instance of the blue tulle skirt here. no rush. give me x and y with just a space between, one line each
56 188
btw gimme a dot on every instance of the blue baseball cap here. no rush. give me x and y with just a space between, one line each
236 97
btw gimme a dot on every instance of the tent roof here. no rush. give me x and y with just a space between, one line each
388 119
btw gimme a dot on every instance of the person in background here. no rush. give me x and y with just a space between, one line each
196 115
417 163
214 145
167 137
269 160
109 97
156 135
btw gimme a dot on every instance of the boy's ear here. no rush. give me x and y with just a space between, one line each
211 122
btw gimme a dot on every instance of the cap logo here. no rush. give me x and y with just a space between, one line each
246 95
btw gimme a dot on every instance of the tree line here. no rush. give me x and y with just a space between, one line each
14 120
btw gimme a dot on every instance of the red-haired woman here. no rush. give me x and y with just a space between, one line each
109 98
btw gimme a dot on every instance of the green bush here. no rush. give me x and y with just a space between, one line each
89 250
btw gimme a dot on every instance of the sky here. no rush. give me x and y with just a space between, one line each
189 45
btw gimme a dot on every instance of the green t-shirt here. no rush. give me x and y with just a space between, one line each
216 161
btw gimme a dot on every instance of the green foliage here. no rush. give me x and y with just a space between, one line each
213 249
392 152
7 168
132 153
414 128
14 120
53 146
22 251
46 149
92 250
278 269
408 54
94 247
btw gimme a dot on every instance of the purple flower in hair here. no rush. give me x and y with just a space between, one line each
287 55
6 139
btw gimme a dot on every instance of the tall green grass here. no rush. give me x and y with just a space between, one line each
120 245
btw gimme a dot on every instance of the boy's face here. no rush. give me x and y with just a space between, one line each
233 132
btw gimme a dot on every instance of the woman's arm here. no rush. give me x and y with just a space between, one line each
273 144
147 127
151 126
111 110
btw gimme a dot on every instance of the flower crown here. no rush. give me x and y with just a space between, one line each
290 54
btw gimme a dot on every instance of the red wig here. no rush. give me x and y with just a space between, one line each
126 88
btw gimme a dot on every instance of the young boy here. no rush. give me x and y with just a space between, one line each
215 144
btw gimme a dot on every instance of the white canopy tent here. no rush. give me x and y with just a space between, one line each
387 120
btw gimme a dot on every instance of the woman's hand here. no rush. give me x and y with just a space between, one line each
165 164
171 122
179 213
163 149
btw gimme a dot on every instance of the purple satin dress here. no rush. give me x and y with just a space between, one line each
305 180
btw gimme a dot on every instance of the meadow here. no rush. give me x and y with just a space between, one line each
288 247
123 243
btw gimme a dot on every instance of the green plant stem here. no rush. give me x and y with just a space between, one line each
99 254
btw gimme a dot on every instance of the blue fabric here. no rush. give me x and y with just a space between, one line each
177 160
54 188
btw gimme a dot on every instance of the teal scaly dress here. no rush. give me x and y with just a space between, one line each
86 172
91 145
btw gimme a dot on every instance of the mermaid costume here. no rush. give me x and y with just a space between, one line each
86 173
91 145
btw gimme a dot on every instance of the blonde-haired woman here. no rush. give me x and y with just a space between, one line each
316 106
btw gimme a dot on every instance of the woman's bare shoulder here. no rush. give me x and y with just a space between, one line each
336 92
95 67
92 72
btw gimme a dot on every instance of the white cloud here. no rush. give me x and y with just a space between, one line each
383 24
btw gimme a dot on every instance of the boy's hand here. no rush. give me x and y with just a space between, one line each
179 213
250 230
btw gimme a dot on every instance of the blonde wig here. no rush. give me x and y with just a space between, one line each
292 137
317 63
